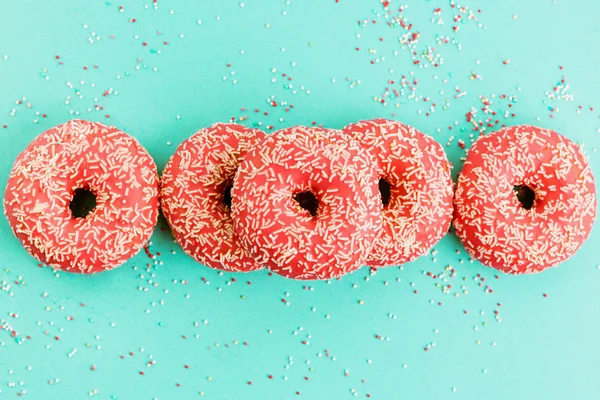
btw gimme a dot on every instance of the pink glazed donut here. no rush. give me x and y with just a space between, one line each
88 159
305 203
525 200
196 195
416 189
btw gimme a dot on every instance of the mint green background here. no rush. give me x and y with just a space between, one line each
544 347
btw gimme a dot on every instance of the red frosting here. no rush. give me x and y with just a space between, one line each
415 166
286 237
193 189
491 222
83 155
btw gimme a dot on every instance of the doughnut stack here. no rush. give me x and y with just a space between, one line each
305 202
308 203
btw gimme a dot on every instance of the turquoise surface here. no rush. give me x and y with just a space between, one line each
169 328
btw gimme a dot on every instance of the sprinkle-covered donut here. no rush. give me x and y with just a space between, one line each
306 203
196 195
525 199
76 160
415 185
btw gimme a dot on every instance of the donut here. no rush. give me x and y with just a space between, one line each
525 200
196 195
415 185
305 203
75 160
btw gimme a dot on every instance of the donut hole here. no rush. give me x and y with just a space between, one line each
227 195
307 201
82 203
525 195
385 190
